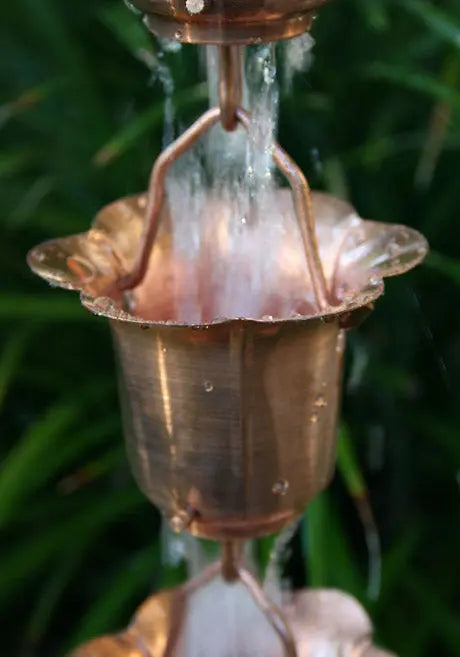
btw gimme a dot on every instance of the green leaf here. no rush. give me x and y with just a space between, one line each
414 81
348 465
50 595
26 465
22 561
329 560
10 358
145 122
56 307
130 578
127 28
438 21
445 265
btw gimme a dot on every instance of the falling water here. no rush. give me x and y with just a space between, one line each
237 247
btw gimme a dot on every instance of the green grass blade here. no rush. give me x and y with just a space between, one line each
440 22
127 29
144 123
50 596
10 359
26 465
445 265
56 307
21 562
329 560
129 579
414 81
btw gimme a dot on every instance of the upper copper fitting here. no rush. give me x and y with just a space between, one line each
228 21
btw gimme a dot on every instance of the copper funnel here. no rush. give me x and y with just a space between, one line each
230 424
227 21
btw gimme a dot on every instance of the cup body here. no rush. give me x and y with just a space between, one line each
230 428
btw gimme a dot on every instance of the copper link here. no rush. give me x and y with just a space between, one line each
230 85
294 175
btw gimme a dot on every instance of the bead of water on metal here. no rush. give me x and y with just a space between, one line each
208 386
280 487
320 401
194 6
180 521
393 248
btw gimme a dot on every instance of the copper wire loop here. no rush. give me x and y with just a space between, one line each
230 94
294 175
231 564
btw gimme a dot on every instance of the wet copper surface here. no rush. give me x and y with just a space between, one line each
230 423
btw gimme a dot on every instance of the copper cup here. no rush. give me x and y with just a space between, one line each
230 423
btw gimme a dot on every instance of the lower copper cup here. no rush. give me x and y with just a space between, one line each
230 427
323 621
230 423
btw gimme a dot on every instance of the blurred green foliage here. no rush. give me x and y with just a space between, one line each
376 119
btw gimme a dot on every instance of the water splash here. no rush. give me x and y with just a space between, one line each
297 58
235 238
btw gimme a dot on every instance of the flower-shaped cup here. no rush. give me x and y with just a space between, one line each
230 423
324 623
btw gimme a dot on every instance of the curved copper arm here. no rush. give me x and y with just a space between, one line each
271 611
233 570
298 182
230 85
157 191
304 212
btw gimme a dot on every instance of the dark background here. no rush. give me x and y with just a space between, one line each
376 119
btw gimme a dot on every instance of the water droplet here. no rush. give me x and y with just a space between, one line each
133 8
208 386
180 521
194 6
374 281
320 401
243 220
393 248
340 346
164 350
269 73
314 418
142 202
178 35
280 487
